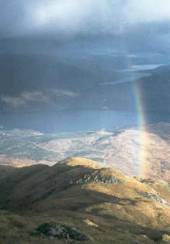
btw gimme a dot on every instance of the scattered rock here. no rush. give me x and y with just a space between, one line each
153 197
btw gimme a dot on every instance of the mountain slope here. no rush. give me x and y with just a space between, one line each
87 196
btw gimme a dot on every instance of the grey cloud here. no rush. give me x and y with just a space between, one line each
65 93
24 98
41 97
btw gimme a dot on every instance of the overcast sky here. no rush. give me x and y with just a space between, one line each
18 17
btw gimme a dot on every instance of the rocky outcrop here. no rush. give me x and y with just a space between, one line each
60 231
96 178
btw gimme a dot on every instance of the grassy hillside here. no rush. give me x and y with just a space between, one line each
101 203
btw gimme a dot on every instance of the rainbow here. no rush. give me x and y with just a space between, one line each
143 136
141 122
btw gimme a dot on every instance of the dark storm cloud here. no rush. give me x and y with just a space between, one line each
30 68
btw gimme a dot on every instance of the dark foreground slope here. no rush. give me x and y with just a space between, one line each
78 196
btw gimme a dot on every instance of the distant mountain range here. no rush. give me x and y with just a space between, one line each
137 152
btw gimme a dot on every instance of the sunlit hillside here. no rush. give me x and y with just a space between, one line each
101 204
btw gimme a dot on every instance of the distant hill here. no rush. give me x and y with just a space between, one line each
104 204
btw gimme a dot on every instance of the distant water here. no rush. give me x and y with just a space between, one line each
144 67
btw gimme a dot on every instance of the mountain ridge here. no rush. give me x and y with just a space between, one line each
95 200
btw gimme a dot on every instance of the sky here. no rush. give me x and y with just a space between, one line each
58 57
21 17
